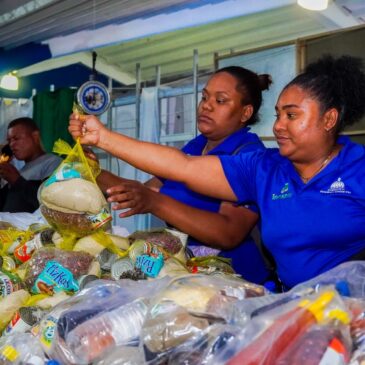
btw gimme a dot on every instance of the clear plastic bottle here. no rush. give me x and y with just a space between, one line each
91 339
21 349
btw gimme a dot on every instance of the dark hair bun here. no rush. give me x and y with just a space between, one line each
265 81
344 78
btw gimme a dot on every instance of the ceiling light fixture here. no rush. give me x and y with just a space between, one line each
316 5
9 82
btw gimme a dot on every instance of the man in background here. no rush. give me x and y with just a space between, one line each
20 192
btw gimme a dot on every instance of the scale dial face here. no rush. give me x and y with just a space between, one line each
93 97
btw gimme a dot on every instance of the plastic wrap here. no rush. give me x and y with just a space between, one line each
245 310
328 343
208 296
123 355
21 348
104 315
202 349
349 279
168 326
264 339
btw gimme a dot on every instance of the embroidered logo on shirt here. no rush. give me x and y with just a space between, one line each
284 193
337 187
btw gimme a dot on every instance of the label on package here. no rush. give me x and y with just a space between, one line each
54 278
6 286
48 330
98 220
25 251
150 265
334 354
66 172
16 325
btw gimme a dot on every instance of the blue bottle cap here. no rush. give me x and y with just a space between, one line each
52 362
343 288
270 286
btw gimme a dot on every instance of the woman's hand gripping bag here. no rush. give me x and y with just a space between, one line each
70 198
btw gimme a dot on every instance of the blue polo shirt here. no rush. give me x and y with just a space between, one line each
246 258
309 228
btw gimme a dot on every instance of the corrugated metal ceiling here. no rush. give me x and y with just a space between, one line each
171 50
69 16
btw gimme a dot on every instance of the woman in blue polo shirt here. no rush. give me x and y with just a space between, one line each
310 192
230 102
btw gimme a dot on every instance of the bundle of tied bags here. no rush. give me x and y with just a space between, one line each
71 200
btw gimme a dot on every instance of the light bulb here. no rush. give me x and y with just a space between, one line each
9 82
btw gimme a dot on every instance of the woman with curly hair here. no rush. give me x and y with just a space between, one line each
310 191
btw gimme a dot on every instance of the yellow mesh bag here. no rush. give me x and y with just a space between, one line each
70 198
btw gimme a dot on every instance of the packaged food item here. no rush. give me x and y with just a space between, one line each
10 238
208 296
95 337
209 265
9 283
162 238
285 329
327 343
10 304
78 263
71 201
203 349
106 248
24 251
104 315
86 279
151 264
54 278
173 267
168 326
121 266
24 319
7 263
106 259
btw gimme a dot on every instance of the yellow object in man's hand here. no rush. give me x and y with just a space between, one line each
4 158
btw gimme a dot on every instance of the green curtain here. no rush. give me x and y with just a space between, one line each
51 111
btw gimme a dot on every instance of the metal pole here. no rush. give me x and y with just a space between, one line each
195 90
138 102
148 217
158 83
158 76
109 120
138 99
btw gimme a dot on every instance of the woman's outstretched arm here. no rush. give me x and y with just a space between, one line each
201 174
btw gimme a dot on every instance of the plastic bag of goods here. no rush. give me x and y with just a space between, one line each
171 242
70 198
210 296
266 338
51 270
108 316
